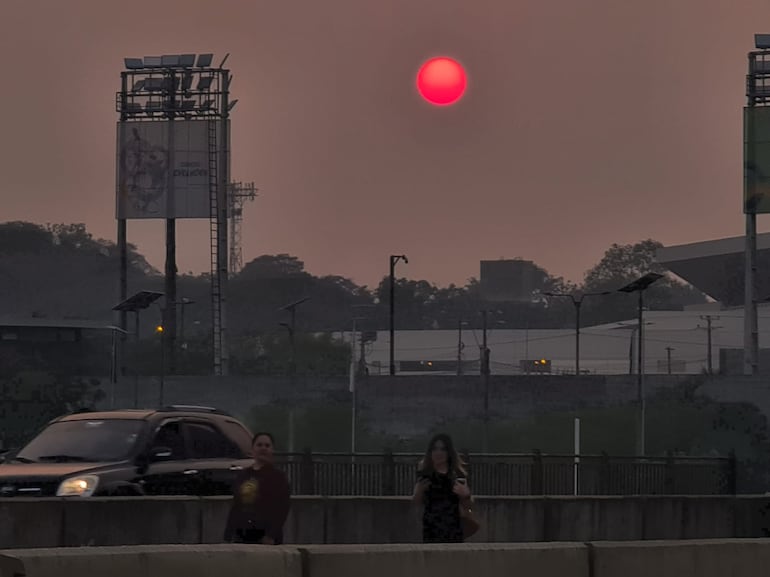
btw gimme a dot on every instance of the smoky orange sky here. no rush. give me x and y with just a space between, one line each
586 122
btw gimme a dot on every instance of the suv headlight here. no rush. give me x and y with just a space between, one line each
80 486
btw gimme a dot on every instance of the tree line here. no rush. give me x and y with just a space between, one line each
61 271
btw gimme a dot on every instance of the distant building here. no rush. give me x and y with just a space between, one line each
675 341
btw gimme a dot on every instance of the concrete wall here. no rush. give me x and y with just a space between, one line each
153 561
662 558
30 523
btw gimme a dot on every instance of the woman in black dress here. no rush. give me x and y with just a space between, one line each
442 488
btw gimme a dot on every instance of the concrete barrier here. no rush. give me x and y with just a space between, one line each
348 520
713 558
542 559
158 561
695 558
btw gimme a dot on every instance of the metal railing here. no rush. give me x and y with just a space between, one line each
371 474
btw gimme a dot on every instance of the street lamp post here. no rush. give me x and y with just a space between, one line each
135 304
160 330
352 383
485 370
394 258
291 328
184 302
460 346
577 303
639 286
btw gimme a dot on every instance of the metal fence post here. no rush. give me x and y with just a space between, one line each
307 473
388 473
537 473
604 475
670 481
732 473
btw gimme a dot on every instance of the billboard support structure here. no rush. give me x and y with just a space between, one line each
756 180
174 162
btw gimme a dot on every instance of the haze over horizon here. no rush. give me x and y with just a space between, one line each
584 124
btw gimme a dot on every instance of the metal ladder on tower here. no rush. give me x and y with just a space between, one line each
216 288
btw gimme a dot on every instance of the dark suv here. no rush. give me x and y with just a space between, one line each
178 450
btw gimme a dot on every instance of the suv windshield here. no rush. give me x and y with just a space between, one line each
83 440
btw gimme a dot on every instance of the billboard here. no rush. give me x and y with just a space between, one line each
756 159
163 173
508 280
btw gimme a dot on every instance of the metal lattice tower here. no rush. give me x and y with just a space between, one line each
239 193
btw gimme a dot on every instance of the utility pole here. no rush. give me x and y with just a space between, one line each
668 358
485 374
460 347
709 352
393 261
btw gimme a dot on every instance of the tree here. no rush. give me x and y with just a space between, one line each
622 264
61 271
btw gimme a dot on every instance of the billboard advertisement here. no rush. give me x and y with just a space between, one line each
163 173
756 159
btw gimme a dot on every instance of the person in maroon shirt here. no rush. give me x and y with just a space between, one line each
261 499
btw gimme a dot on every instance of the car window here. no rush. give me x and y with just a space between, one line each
240 435
170 436
97 440
208 443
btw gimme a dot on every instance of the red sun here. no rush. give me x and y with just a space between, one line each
441 81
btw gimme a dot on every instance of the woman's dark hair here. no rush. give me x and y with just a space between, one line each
263 434
455 464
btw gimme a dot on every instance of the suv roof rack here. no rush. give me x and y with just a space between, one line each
193 409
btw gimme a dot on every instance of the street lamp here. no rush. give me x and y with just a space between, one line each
577 303
290 327
184 302
352 382
393 261
639 286
135 304
160 331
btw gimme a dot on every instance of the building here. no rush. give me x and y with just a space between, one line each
702 338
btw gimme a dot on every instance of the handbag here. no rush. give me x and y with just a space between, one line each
469 521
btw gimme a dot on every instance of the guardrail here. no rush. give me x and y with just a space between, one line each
372 474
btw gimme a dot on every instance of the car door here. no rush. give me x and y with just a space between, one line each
174 474
215 456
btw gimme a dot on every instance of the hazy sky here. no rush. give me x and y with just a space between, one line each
586 122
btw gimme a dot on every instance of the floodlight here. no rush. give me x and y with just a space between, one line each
205 83
138 85
232 105
133 107
206 105
187 60
153 61
188 105
204 60
133 63
762 41
154 106
187 82
169 60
